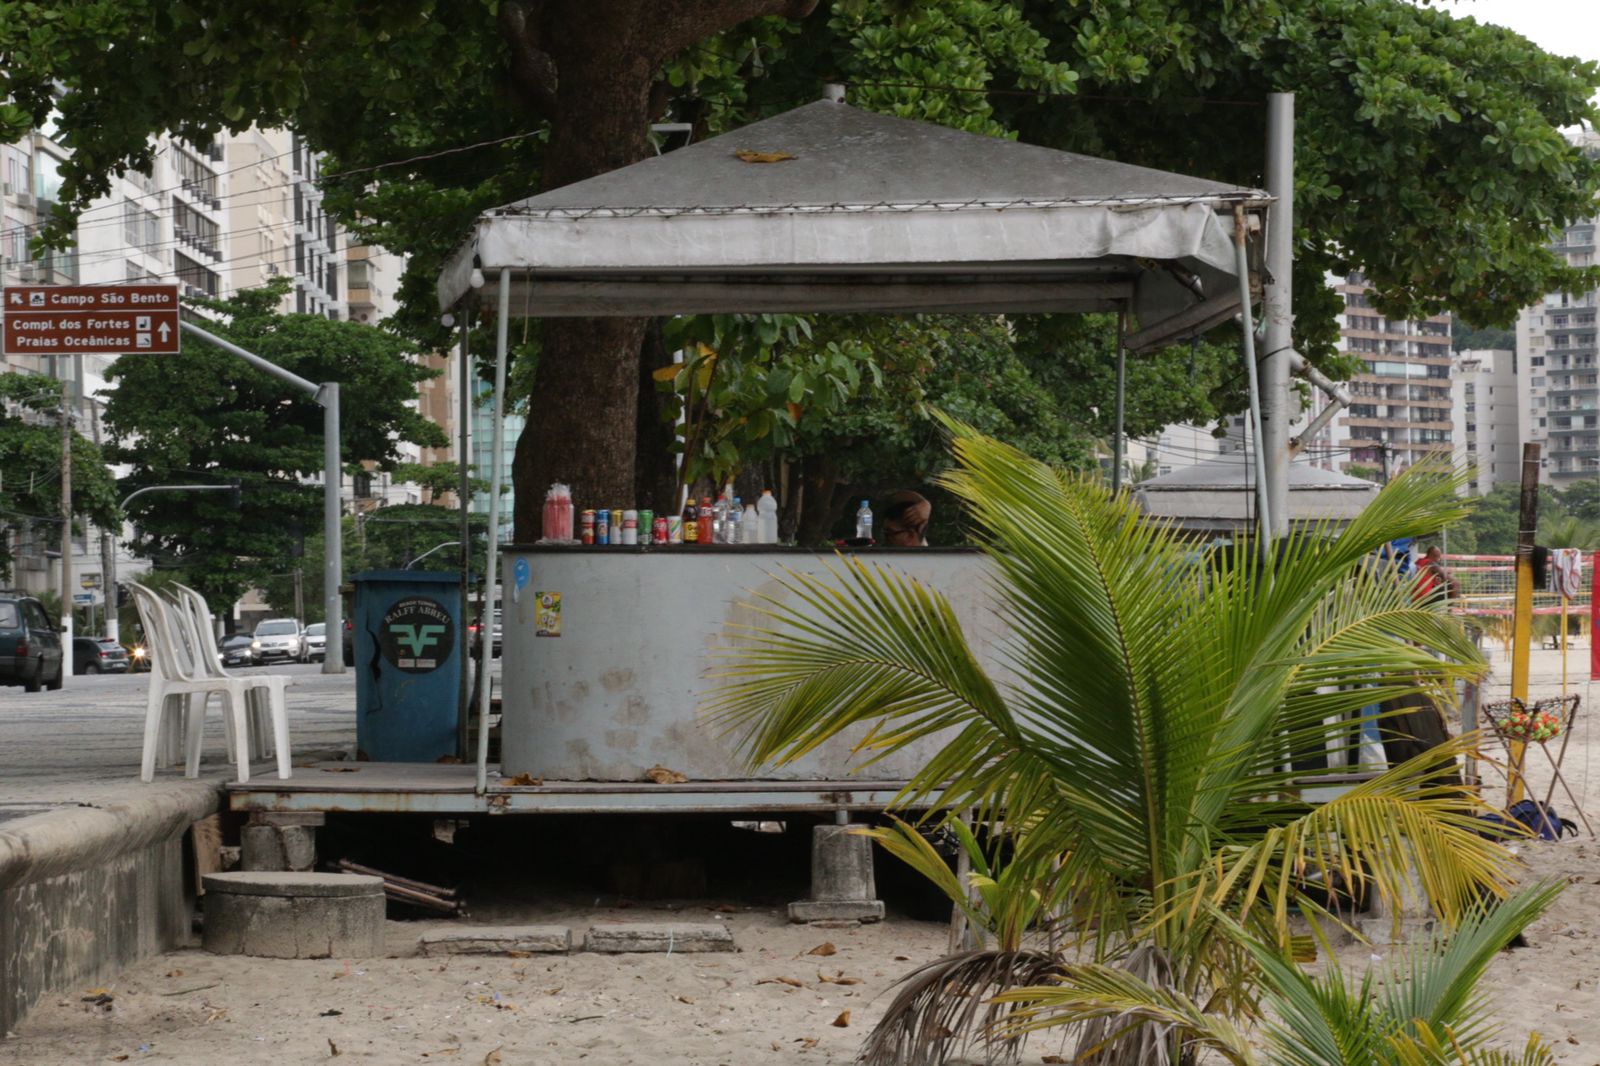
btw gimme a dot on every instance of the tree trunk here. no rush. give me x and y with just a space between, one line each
591 66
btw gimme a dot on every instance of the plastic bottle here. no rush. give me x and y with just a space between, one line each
864 521
768 510
719 520
750 526
731 524
707 523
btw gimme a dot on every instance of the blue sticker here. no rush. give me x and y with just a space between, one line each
519 573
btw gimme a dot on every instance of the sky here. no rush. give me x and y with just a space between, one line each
1564 27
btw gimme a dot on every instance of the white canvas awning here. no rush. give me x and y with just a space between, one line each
1220 495
872 213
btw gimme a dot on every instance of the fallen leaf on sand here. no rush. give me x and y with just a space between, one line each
792 982
902 958
124 1058
1053 1058
525 780
519 954
341 769
685 999
807 1042
775 1047
493 1057
823 949
837 979
745 155
843 1020
174 973
333 1050
663 776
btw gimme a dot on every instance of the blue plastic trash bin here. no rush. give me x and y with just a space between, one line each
407 664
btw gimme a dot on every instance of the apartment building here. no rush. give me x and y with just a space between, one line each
1486 415
1561 391
1401 409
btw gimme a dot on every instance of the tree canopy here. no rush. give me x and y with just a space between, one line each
30 466
1430 156
207 416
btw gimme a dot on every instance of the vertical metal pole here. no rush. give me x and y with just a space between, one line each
1122 390
464 455
66 531
1277 310
1247 325
1522 613
490 569
332 533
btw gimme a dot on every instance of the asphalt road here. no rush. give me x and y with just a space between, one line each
82 743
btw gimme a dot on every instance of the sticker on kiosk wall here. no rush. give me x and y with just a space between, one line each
417 635
547 614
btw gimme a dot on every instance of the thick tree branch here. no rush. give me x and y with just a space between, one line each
533 72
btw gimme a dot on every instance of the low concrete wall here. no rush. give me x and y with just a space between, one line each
86 891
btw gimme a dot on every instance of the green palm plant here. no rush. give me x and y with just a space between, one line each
1154 720
1425 1008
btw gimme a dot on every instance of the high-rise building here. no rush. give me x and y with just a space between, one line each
1486 410
1560 391
1401 409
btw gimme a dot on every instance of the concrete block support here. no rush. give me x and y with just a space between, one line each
277 848
294 915
842 885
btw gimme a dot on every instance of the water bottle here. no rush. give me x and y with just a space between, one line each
768 510
750 525
719 521
864 521
730 524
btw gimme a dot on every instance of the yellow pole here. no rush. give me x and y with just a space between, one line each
1563 645
1522 616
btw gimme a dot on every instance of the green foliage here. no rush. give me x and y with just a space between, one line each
1428 147
440 478
30 466
1145 758
389 538
1491 526
1424 1007
208 417
1465 338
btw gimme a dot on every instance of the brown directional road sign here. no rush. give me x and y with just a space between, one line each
62 319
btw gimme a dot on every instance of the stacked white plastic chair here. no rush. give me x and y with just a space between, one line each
265 691
178 669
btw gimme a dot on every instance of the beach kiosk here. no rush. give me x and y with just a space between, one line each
871 214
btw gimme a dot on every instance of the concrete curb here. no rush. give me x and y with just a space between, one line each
72 838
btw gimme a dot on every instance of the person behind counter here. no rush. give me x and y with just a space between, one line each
905 520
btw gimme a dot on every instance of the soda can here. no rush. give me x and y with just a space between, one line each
647 524
616 525
660 533
587 527
630 527
674 529
602 527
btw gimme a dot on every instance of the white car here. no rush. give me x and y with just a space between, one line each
316 641
278 640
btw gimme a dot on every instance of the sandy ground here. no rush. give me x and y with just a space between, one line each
191 1008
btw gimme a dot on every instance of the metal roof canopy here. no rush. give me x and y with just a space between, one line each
855 211
872 213
1219 495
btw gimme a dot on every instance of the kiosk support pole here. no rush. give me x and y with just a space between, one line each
490 566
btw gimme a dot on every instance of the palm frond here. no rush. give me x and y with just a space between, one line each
945 1006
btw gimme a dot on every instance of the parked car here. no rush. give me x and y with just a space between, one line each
235 650
98 655
278 640
30 645
316 641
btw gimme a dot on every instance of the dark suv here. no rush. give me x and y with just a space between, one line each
98 655
30 645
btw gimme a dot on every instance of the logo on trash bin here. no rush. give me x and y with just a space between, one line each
417 635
